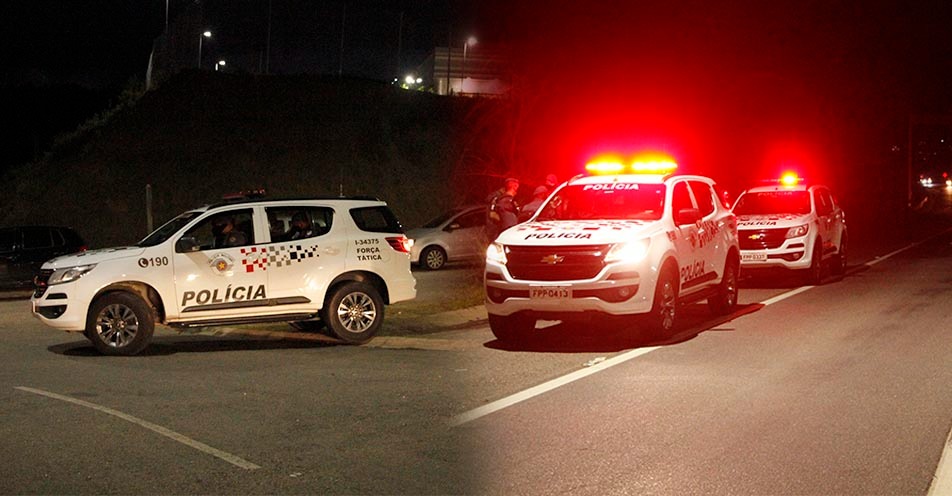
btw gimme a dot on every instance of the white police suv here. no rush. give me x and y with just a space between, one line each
629 239
790 224
335 261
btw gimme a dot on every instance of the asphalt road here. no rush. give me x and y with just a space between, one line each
837 389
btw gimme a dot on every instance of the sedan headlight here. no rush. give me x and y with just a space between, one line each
496 252
796 232
69 274
629 252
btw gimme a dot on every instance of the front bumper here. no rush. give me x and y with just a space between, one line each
616 290
793 254
59 309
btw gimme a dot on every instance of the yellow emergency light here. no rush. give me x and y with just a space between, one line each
653 164
789 179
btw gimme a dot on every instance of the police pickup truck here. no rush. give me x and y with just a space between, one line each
627 239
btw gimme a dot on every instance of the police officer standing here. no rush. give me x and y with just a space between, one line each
503 211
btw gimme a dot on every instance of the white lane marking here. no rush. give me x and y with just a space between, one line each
579 374
913 245
942 480
546 387
232 459
784 296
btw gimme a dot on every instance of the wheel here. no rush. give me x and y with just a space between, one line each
724 301
433 258
664 308
814 275
354 312
120 324
511 328
839 263
315 325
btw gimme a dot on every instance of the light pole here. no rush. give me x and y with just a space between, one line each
462 83
206 34
219 63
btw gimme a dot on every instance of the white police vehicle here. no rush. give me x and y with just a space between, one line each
632 239
790 224
335 261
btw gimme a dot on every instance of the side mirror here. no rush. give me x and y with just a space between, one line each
452 227
688 216
186 244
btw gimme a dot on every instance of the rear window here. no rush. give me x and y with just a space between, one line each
773 202
36 238
376 219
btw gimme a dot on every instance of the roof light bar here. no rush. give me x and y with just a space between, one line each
643 164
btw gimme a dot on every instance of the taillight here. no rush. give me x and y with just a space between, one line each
83 248
400 243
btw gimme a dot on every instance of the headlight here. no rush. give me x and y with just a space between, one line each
69 274
496 252
796 232
630 252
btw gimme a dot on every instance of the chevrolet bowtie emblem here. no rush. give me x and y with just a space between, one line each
552 259
756 237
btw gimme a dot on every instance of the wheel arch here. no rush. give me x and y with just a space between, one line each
671 263
138 288
360 276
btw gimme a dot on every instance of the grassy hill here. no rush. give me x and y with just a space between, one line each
203 134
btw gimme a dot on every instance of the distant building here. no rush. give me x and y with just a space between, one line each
482 70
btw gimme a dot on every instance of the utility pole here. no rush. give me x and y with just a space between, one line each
343 22
267 45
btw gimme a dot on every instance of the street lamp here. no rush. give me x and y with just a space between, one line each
469 42
206 34
219 63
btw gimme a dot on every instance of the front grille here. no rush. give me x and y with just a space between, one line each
40 282
760 239
555 263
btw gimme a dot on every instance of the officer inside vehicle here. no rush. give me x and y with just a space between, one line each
300 227
226 235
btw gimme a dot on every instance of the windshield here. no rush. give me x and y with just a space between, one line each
445 216
616 201
168 229
773 202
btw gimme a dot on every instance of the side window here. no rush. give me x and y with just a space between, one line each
472 219
704 196
290 223
824 205
58 240
224 230
36 237
680 198
9 238
376 219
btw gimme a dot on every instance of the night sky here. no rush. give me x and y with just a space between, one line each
752 78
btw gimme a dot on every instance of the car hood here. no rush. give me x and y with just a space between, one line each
577 232
93 257
768 221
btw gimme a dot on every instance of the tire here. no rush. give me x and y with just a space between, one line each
511 328
664 308
724 301
814 274
839 263
433 258
120 324
354 312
